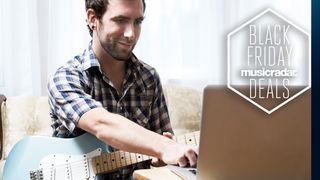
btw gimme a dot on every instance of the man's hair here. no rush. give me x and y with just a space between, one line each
99 7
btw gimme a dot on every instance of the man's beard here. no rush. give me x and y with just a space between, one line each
111 46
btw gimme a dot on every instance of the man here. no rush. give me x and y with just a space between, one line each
109 93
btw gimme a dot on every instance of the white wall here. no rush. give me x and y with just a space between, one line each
184 39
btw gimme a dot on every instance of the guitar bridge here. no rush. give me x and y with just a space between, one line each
36 175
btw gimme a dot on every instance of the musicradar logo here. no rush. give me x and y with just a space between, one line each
269 61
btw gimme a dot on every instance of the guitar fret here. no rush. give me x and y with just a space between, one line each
145 157
190 139
93 160
99 164
122 159
94 163
118 163
113 161
139 157
105 164
109 162
196 138
133 158
102 164
127 157
185 139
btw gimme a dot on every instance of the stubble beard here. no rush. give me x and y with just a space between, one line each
111 48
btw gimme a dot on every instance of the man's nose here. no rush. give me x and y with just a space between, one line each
130 32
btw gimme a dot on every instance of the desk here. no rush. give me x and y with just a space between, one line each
155 174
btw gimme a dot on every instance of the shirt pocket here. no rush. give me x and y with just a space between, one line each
141 116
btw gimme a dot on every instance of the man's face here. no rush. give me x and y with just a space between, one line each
119 28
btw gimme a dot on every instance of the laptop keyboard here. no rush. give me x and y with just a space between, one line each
184 172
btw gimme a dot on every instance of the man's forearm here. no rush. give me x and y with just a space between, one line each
121 133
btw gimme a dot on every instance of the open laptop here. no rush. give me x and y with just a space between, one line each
239 141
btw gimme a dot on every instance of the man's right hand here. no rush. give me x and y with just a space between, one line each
179 154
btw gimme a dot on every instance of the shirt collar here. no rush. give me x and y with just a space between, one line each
133 64
90 59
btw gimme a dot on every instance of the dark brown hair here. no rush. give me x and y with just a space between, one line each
99 7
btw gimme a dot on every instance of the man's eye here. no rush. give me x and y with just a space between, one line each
138 22
120 21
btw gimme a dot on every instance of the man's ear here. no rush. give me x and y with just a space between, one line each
91 19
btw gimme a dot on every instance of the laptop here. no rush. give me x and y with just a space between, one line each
239 141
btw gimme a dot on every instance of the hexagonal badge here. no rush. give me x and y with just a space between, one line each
269 61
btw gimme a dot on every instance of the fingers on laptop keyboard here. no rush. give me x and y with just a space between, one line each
192 156
189 159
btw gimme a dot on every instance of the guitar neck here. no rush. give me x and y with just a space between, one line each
119 159
188 139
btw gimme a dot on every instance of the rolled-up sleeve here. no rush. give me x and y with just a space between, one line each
68 98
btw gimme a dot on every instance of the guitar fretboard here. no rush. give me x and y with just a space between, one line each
118 159
115 160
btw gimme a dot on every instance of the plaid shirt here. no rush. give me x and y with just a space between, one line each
80 86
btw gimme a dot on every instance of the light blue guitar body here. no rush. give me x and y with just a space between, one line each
26 155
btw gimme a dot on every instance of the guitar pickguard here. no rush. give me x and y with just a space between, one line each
68 167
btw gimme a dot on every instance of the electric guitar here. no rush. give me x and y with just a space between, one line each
83 157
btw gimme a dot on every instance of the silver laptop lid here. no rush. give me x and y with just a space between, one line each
239 141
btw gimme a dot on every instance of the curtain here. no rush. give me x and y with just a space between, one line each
185 40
